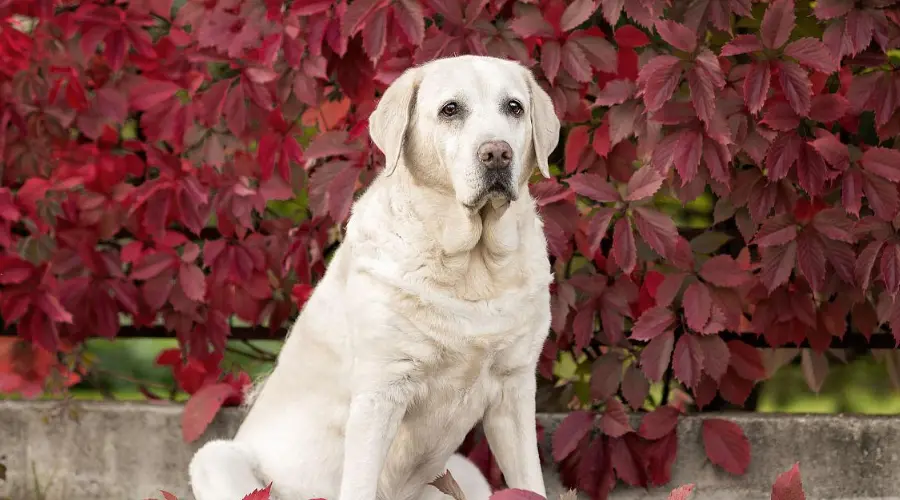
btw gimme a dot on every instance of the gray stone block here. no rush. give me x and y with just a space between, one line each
129 451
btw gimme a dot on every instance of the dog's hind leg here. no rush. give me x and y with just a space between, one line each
223 470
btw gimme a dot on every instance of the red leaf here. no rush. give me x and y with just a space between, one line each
777 23
659 422
14 270
697 306
811 259
594 186
576 13
625 462
859 27
864 264
656 355
612 9
734 388
551 57
782 154
657 229
168 496
152 265
54 310
570 432
575 62
635 387
193 282
600 54
669 288
327 144
776 231
687 360
890 268
687 154
583 326
152 92
622 120
756 85
789 486
658 79
726 445
883 162
746 360
882 196
812 53
601 140
516 494
606 375
832 150
834 224
741 44
716 356
630 36
614 421
780 116
576 144
830 9
704 78
682 492
677 35
796 86
263 494
410 17
644 183
356 15
615 92
815 367
652 323
200 410
623 248
597 227
530 23
852 192
723 271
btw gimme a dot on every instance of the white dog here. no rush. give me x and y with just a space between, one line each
431 316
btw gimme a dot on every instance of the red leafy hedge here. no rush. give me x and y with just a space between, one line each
181 164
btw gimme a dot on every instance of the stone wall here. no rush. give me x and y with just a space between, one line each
129 451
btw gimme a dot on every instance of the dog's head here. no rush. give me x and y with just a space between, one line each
471 126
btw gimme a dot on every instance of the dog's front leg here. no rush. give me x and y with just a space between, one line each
372 424
509 425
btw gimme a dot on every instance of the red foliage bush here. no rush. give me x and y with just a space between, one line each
184 163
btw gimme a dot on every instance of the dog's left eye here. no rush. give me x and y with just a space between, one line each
450 109
514 107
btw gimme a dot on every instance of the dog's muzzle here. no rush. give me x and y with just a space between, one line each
495 159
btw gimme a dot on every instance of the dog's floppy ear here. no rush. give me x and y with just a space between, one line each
544 123
387 124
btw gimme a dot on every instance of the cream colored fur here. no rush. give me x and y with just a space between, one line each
430 318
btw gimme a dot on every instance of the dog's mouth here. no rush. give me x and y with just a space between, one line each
497 192
496 187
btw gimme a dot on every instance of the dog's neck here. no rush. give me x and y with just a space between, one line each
459 230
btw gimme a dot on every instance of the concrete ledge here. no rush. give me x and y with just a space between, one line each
129 451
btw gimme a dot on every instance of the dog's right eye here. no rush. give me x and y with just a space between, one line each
450 109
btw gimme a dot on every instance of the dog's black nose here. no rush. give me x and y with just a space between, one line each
495 154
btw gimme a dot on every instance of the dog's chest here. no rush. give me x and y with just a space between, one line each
453 393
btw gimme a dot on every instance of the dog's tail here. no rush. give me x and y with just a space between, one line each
223 470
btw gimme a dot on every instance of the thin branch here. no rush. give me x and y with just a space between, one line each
258 356
852 340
